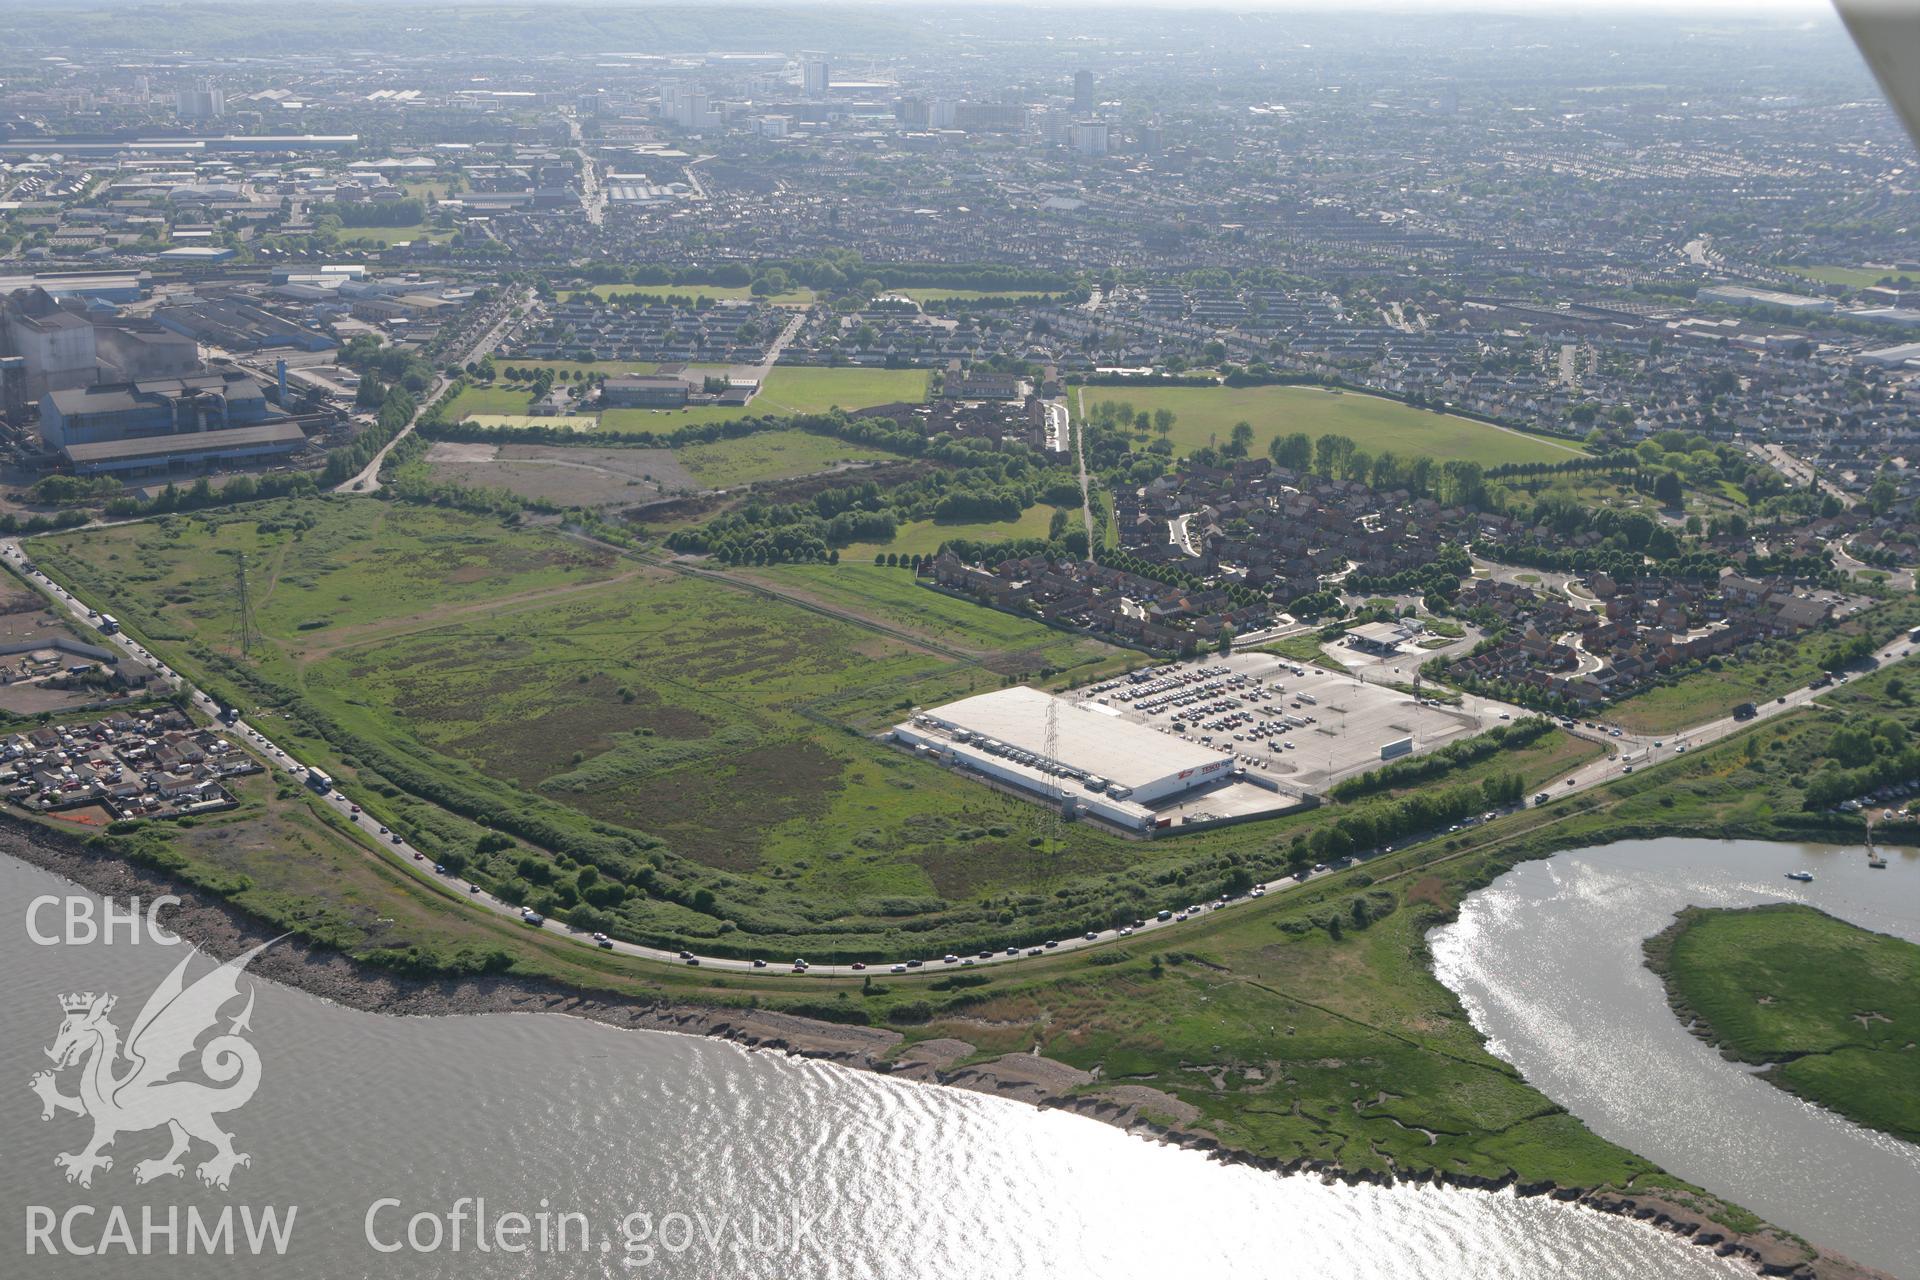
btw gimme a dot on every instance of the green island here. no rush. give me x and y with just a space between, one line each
1830 1009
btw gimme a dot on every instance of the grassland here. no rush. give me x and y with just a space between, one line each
966 295
923 537
1831 1009
894 598
1266 1027
1304 647
717 292
1593 492
1206 415
1760 674
699 738
455 671
1850 277
395 235
500 401
518 421
788 390
769 455
575 368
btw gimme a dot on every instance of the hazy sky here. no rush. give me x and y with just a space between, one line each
1770 8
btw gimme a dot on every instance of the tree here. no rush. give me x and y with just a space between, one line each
1330 453
1294 452
1883 494
1851 746
1667 490
1241 440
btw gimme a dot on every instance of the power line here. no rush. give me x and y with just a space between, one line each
1050 748
243 620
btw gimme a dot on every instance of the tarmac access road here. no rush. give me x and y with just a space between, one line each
368 479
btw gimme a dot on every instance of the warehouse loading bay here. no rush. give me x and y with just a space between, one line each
1291 732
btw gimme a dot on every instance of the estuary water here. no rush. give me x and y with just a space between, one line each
1548 962
689 1157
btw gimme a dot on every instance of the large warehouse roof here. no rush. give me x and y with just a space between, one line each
1110 746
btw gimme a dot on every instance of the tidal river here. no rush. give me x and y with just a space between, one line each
1548 962
686 1157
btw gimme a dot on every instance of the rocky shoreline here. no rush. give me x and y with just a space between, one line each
223 931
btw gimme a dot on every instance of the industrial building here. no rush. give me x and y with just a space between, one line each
55 340
1739 295
1101 762
163 423
66 343
643 391
237 324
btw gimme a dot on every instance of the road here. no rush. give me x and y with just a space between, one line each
593 196
765 367
1900 579
1178 535
1799 472
1078 426
1634 751
1058 425
368 479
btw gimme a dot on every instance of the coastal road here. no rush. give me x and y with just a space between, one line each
1634 751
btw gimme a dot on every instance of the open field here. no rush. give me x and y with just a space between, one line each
1851 277
789 389
718 292
769 455
894 598
966 295
1207 415
569 475
394 235
923 537
517 421
577 367
714 464
494 401
1834 1009
606 706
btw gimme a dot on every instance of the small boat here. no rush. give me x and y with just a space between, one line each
1877 861
1804 877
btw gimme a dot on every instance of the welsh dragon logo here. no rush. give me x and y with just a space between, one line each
134 1087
